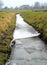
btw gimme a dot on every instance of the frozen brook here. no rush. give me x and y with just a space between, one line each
28 49
23 30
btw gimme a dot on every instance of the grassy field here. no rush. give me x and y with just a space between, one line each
7 25
38 20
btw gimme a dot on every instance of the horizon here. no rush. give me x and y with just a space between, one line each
18 3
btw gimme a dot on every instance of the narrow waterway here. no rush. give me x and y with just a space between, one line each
28 49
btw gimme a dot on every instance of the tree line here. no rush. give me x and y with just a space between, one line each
36 6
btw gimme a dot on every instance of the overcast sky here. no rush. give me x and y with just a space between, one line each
14 3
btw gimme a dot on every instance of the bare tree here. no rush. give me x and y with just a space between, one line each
37 5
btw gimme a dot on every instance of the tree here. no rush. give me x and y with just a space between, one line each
37 5
6 8
1 4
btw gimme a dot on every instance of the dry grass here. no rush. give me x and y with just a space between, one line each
38 20
7 25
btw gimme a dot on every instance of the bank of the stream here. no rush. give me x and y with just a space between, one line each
38 20
28 49
7 25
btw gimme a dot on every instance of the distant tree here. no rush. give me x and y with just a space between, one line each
42 7
6 8
16 8
37 5
45 5
1 4
11 8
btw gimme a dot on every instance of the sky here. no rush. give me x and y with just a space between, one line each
14 3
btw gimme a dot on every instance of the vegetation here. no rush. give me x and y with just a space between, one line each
7 25
38 20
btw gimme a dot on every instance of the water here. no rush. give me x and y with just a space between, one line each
23 30
29 49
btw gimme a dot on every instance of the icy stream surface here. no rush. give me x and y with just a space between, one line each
28 49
